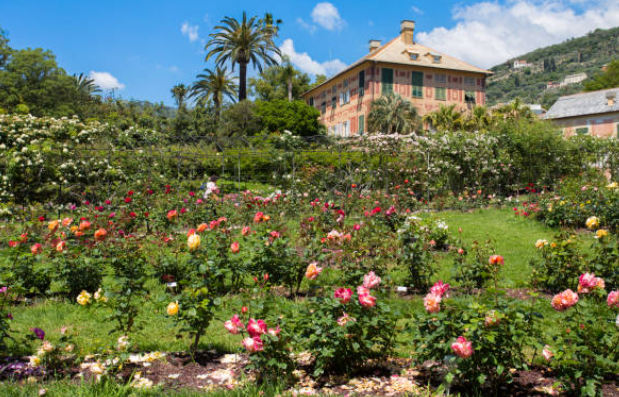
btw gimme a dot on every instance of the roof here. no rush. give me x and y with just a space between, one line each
584 104
397 51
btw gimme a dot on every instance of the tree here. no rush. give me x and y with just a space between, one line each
244 43
239 119
446 118
479 119
214 86
5 50
32 77
295 116
318 80
391 114
514 110
607 79
179 93
275 83
84 85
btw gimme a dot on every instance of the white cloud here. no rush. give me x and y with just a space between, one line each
105 80
191 31
306 25
326 15
489 33
417 10
306 64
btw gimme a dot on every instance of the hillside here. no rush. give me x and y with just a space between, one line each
587 54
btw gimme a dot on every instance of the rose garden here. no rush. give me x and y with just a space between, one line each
462 264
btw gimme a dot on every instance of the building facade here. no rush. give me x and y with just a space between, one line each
424 76
590 113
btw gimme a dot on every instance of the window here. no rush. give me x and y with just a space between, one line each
387 81
414 56
440 93
441 78
417 82
344 97
362 125
334 102
323 107
361 82
346 128
436 58
311 101
469 97
469 80
582 131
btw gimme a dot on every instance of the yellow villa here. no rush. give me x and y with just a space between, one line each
424 76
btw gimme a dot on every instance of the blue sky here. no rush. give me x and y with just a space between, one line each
143 48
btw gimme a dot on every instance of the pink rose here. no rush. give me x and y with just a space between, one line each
274 331
587 282
432 302
253 345
367 300
613 299
234 325
462 347
313 271
439 288
547 353
256 328
564 300
371 280
342 321
234 247
343 294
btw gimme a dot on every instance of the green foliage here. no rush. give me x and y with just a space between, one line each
344 336
608 79
414 237
560 263
471 265
275 82
392 114
282 115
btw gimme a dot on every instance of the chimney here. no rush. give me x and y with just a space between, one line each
407 30
374 45
610 98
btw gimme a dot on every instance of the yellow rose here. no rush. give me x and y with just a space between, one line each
613 185
539 244
172 309
193 242
35 361
83 298
601 233
592 222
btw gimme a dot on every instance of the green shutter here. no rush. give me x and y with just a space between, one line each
361 82
361 124
417 83
387 81
582 131
440 93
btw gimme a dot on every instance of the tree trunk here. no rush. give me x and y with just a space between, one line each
290 90
242 81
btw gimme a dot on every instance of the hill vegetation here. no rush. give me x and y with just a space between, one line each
587 54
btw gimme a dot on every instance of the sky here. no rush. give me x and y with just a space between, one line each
141 49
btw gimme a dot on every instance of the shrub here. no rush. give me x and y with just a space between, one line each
294 116
559 263
414 238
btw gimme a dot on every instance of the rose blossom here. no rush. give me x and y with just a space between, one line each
547 353
587 282
312 271
367 300
613 299
234 325
256 328
496 260
564 300
432 302
234 247
343 294
462 347
439 288
36 249
253 345
342 321
371 280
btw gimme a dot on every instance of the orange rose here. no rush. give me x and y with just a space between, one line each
100 234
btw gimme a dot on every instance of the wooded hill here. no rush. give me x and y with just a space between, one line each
587 54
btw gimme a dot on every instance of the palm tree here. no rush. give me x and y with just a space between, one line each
446 118
288 72
479 119
515 110
85 85
391 114
214 86
179 93
250 41
271 23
